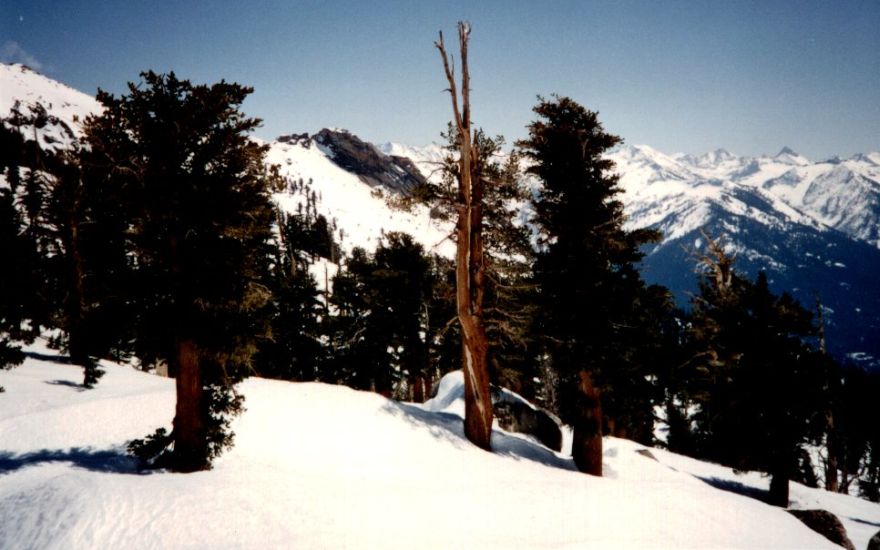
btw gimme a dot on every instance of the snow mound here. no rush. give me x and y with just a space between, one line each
319 466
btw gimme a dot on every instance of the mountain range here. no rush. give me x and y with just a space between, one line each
814 227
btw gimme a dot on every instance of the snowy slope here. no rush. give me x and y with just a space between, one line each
360 211
833 194
21 88
318 466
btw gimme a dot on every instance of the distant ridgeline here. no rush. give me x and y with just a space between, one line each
813 227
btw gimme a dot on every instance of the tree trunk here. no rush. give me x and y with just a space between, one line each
77 333
469 260
190 445
780 473
831 483
418 389
779 488
586 447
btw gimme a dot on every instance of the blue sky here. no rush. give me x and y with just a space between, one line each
680 76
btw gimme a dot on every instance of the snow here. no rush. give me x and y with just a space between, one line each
319 466
360 211
20 83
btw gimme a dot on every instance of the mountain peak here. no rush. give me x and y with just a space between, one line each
786 151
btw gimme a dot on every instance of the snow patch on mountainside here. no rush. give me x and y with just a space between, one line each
361 212
22 87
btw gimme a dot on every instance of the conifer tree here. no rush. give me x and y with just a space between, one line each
196 191
63 219
16 284
293 350
379 338
752 351
508 254
18 288
585 267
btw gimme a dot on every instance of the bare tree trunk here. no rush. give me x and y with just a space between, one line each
586 447
190 445
469 274
831 483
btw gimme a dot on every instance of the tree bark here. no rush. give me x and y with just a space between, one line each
77 334
779 489
190 445
586 447
469 274
831 483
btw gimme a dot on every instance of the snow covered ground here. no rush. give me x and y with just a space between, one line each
318 466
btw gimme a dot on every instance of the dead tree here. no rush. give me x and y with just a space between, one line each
469 268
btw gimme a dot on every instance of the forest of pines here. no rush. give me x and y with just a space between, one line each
154 236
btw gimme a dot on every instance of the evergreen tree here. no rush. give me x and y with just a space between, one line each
508 254
196 192
63 222
354 359
18 288
16 284
380 337
752 351
294 350
585 267
857 435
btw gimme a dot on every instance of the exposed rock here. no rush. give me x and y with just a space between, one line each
372 166
515 414
297 139
826 524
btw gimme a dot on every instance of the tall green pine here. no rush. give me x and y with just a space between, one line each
196 190
586 265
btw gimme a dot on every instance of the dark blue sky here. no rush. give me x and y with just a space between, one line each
679 76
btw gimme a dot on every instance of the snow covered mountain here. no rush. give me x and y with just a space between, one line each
813 226
320 466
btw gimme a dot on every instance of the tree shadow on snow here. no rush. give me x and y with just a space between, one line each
866 522
736 487
106 461
63 359
448 427
67 383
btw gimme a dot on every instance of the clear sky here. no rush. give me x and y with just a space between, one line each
680 76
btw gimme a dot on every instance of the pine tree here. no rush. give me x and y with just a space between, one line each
752 348
586 264
293 350
196 191
63 219
18 291
379 337
16 284
508 254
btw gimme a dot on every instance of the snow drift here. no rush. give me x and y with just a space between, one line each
319 466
